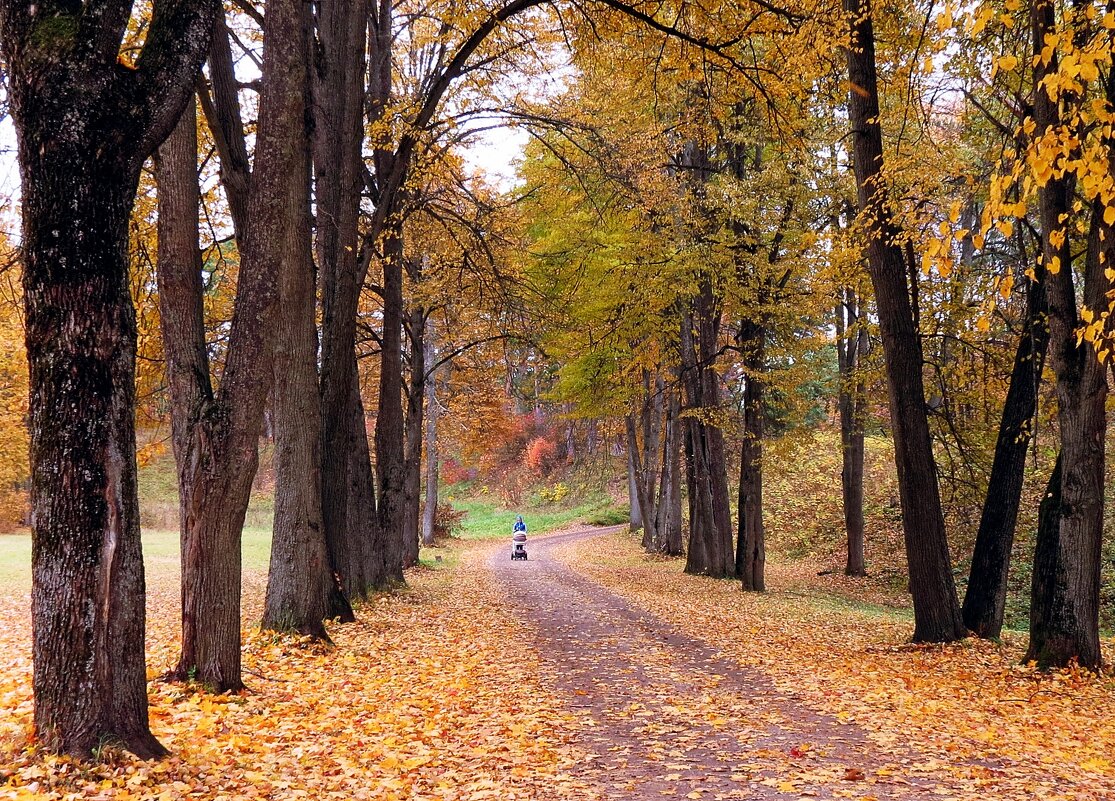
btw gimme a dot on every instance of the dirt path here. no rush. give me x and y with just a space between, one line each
666 715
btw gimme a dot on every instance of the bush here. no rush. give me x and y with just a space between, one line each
612 516
540 455
554 494
448 521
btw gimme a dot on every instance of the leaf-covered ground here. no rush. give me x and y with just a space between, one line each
425 698
591 671
961 721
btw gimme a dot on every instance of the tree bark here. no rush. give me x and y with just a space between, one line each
299 583
222 113
217 457
936 608
389 436
711 549
338 104
985 599
370 550
84 128
644 498
668 538
429 514
635 518
416 398
852 403
751 546
1064 609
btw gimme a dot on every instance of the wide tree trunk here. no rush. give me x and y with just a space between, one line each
852 343
217 452
1064 609
84 129
711 550
936 608
985 599
87 599
751 545
299 581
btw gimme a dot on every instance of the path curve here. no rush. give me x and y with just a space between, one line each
666 715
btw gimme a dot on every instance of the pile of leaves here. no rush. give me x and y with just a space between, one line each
968 715
426 697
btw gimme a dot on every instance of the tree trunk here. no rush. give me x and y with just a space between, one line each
852 403
636 514
936 608
389 437
985 599
372 552
711 550
1064 610
643 494
751 546
218 462
416 392
84 128
87 599
338 107
298 580
429 514
222 113
668 533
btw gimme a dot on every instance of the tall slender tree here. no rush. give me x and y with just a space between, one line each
936 607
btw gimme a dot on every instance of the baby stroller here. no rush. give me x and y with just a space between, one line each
519 545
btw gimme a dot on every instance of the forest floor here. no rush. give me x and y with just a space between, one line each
590 671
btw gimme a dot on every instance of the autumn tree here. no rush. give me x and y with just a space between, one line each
86 121
216 431
936 607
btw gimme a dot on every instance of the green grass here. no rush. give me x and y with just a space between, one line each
15 561
487 518
160 556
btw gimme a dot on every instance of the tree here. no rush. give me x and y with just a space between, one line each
86 121
352 529
851 347
300 583
936 608
1064 609
216 432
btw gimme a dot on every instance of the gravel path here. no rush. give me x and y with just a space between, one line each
664 715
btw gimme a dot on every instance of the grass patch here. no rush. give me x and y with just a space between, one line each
487 518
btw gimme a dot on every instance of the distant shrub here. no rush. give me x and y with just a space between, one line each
612 516
554 494
453 472
540 455
448 521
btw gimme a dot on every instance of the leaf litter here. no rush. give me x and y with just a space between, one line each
425 697
965 720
